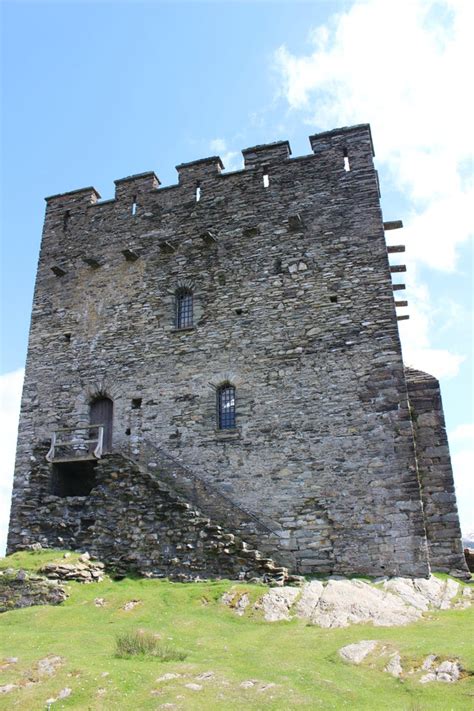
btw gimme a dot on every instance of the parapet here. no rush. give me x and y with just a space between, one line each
266 154
340 150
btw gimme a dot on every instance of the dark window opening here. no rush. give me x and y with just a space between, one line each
128 431
134 206
73 478
277 268
239 312
67 337
184 308
221 279
347 165
66 217
136 403
198 192
333 299
226 407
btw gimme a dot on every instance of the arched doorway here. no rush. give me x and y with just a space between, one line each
102 413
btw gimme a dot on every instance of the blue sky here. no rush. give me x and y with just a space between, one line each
95 91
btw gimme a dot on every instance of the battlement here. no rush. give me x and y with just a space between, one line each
342 151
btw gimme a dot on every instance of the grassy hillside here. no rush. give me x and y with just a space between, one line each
231 662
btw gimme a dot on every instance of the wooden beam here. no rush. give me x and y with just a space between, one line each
398 268
396 248
398 287
130 255
208 237
393 225
403 318
295 222
167 247
94 263
58 271
401 303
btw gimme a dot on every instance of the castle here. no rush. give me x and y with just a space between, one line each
214 382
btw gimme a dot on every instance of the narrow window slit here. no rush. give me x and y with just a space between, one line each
198 192
347 165
66 217
67 337
134 206
136 403
266 180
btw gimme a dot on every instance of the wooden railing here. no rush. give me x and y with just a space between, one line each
77 446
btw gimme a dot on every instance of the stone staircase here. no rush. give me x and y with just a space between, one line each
259 538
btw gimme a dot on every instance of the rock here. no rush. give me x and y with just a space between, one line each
99 602
49 665
168 677
7 688
27 590
276 603
345 602
428 663
357 652
193 687
238 602
451 669
205 675
84 571
310 596
64 693
247 684
130 605
427 678
422 593
394 666
447 672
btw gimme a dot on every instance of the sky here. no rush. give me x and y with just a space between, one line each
95 91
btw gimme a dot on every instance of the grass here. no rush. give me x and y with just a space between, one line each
140 643
290 665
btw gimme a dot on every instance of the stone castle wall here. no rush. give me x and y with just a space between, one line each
293 306
435 472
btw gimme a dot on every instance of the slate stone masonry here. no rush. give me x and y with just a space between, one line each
292 305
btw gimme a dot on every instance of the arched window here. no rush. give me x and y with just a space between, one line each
184 308
226 406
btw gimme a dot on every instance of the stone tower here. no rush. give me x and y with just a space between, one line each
218 365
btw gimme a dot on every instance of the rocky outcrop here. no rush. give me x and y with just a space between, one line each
343 602
19 588
448 670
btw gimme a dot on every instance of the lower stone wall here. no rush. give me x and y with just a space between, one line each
133 522
436 476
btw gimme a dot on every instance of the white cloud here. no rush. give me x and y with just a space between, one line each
10 397
218 145
232 159
463 433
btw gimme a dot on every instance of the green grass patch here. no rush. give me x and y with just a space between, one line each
238 662
141 643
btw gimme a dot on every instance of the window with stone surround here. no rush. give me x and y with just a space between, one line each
226 407
184 308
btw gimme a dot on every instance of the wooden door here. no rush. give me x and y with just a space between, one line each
102 413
